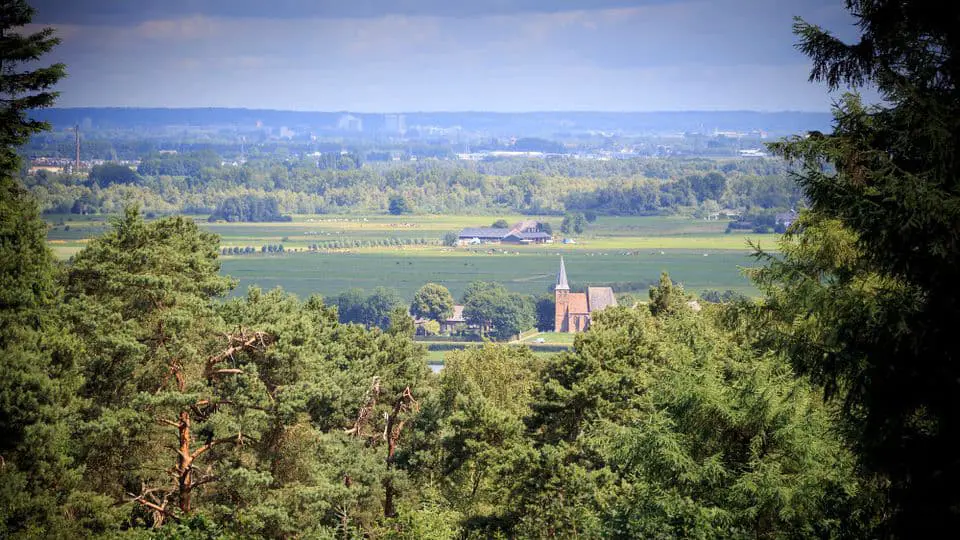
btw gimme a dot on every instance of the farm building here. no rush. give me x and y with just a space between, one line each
525 232
455 319
574 310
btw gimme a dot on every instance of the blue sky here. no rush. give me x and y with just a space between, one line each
439 55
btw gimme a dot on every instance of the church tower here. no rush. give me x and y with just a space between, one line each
562 296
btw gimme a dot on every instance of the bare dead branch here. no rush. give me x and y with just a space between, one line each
228 371
203 449
166 422
366 410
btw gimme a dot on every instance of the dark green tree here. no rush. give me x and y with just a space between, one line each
41 485
40 481
500 224
546 313
399 205
667 297
450 239
864 298
23 86
675 427
496 310
112 173
350 306
708 187
401 323
432 301
379 305
574 222
481 300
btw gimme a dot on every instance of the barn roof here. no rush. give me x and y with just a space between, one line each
483 232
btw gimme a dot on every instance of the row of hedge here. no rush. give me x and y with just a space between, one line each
461 345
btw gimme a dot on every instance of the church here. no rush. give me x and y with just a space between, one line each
574 309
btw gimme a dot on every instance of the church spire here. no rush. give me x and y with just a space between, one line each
562 284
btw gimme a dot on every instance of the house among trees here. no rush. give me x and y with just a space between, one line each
455 320
574 310
526 232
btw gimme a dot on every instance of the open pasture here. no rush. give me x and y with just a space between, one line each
529 272
611 250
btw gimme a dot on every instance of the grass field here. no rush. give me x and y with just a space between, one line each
552 338
614 249
533 273
439 357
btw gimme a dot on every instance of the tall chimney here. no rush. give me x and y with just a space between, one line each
76 128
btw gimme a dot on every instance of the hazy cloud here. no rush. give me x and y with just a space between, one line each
420 55
120 11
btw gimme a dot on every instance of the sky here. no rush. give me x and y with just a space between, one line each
439 55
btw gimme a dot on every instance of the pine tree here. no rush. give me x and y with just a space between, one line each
39 482
864 298
23 90
674 426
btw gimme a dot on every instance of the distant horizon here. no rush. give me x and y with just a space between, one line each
443 111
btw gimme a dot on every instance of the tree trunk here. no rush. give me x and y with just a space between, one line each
392 433
184 463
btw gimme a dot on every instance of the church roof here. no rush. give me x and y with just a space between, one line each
600 297
562 278
577 303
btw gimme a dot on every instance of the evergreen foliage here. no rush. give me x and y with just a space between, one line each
864 297
23 87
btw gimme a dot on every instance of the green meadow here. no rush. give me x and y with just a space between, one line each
621 250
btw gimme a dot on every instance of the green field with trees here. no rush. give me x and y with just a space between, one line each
330 254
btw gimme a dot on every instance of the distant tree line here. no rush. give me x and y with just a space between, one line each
189 164
248 209
199 183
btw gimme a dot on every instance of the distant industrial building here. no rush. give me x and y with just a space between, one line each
349 122
395 123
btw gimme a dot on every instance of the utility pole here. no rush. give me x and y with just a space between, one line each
76 129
